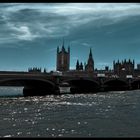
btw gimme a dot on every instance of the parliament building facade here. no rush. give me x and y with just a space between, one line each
120 69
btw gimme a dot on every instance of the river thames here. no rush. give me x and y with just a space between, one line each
104 114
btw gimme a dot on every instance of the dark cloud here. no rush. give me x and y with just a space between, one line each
37 29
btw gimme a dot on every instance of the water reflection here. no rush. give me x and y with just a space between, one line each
108 114
10 91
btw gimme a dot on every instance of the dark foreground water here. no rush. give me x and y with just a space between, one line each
108 114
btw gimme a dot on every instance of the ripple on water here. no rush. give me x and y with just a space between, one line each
7 136
71 115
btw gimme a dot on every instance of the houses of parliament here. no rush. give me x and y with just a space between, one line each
63 61
120 68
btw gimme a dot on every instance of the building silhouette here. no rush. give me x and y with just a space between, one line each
123 68
34 70
138 66
63 59
89 67
79 66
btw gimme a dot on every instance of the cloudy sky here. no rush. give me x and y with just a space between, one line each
31 32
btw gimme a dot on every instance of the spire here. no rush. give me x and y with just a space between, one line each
90 54
114 63
63 42
133 62
77 65
84 63
81 66
124 60
63 49
90 63
90 59
77 62
118 61
58 49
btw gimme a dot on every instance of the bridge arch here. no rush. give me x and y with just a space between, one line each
115 85
135 84
32 87
81 85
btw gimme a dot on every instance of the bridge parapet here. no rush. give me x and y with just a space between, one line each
33 80
58 79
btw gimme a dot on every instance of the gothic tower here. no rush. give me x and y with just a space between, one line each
90 63
124 68
79 66
63 59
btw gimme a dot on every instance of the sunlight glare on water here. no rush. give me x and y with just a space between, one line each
105 114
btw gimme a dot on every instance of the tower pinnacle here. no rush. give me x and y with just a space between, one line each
90 54
63 42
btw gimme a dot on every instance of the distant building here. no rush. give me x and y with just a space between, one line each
89 67
34 70
120 69
63 59
138 66
124 68
79 66
106 68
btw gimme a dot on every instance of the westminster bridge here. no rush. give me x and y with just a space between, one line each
43 83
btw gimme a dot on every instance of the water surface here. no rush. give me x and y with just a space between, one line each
106 114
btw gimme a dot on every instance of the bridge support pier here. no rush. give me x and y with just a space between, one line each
129 84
